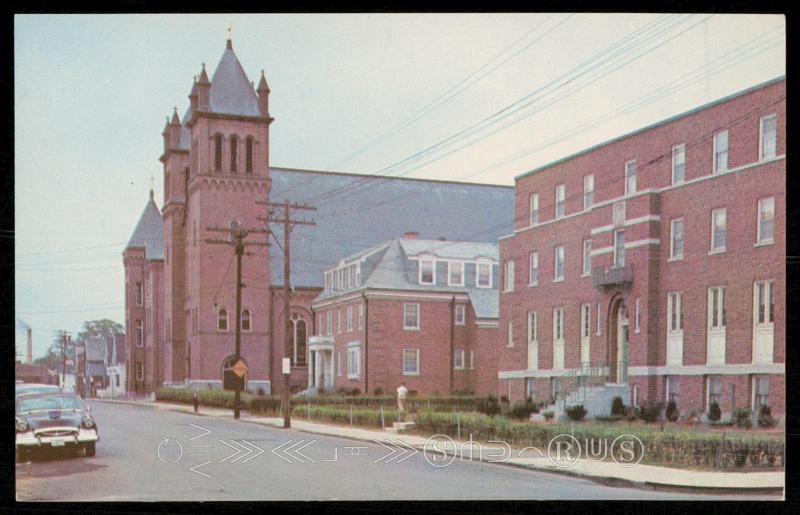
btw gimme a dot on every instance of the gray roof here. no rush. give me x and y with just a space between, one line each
451 249
378 209
486 303
149 232
231 91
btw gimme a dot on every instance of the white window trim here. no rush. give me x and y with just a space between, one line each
478 274
761 156
361 315
450 265
510 336
587 259
329 321
531 256
557 278
250 313
533 327
561 188
409 327
759 241
508 276
714 212
674 148
615 249
586 320
417 371
461 314
588 179
433 263
456 354
714 168
769 288
472 360
672 256
678 313
350 318
354 347
598 320
635 177
227 320
721 303
531 210
339 321
638 310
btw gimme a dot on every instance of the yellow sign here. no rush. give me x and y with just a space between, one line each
239 368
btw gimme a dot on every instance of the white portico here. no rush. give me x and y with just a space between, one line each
320 363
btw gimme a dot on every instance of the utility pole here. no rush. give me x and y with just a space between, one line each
63 359
288 225
237 237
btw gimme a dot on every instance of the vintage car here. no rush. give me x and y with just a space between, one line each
51 421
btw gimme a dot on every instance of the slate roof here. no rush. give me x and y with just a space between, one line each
149 231
231 91
378 210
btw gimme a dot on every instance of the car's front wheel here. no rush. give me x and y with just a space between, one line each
89 449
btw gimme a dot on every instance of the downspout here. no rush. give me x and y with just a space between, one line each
366 339
271 336
452 337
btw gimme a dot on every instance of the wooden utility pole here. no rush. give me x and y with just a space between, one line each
237 237
288 225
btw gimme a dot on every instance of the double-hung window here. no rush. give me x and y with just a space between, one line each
411 316
461 314
329 325
720 151
675 312
630 177
139 294
353 361
587 258
769 137
534 208
678 164
427 271
586 320
766 220
510 334
676 239
559 264
561 201
588 191
718 229
508 276
458 359
760 392
533 276
484 275
716 308
349 318
619 248
714 388
411 362
765 303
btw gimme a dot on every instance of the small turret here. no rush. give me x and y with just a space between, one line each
165 133
193 98
263 95
203 91
175 130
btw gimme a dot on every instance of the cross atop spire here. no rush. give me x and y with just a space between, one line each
230 43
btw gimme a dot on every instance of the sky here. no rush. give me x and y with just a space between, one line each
469 97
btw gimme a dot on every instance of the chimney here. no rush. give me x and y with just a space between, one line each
411 235
30 346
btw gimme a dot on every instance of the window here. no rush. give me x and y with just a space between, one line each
673 389
319 324
716 307
357 268
339 364
361 316
246 324
534 207
234 153
598 319
299 331
678 164
349 318
533 327
559 263
455 273
508 276
718 229
330 322
587 257
140 333
339 321
484 272
714 387
510 334
630 177
248 156
675 311
637 326
353 362
760 392
427 274
533 276
558 324
619 248
529 388
720 151
461 314
766 220
411 362
765 304
586 322
588 191
139 371
769 137
618 216
222 320
139 294
676 239
410 316
458 359
561 194
218 152
472 360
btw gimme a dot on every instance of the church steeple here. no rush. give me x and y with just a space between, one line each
203 91
263 95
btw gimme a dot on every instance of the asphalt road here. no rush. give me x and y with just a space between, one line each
146 454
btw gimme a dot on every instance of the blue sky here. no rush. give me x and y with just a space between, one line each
92 93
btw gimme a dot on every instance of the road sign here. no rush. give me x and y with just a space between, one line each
239 368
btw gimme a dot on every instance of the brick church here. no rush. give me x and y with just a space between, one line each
180 290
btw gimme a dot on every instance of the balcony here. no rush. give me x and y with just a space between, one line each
607 276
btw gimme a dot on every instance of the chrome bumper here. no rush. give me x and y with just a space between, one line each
34 439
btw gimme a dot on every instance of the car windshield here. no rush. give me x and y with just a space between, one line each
50 402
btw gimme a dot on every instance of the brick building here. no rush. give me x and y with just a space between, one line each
652 266
422 312
180 290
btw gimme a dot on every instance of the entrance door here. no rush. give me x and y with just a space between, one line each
621 358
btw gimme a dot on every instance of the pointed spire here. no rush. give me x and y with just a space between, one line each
229 43
203 93
193 98
166 127
175 119
203 76
263 96
262 84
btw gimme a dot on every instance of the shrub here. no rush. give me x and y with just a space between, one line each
714 413
617 408
672 411
377 392
489 406
649 411
743 418
765 418
266 405
260 392
355 391
522 410
548 415
576 413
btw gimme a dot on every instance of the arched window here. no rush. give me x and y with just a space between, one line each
299 339
248 155
234 153
222 320
218 152
246 320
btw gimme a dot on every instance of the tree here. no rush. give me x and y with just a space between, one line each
104 328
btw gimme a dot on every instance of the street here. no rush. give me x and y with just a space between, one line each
147 454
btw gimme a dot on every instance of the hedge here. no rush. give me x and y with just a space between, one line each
360 417
215 397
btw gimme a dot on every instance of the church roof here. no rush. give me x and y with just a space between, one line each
231 91
149 232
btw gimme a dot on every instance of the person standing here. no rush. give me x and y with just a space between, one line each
402 392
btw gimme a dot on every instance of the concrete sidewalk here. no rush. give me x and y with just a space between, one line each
606 471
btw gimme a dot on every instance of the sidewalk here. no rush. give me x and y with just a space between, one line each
639 475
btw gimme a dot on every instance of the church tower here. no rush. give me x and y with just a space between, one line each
216 166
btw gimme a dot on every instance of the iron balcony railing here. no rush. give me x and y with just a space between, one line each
605 276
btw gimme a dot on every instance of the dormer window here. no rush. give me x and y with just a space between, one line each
427 273
218 152
248 156
484 275
234 153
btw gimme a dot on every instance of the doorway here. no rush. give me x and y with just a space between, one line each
618 338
